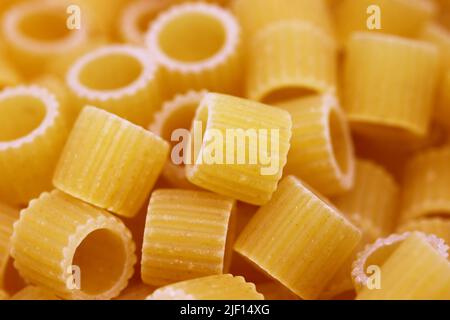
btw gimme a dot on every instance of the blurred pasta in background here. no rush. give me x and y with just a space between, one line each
224 149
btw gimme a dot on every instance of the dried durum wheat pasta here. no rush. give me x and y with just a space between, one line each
122 79
298 239
198 46
110 162
188 234
32 134
220 287
73 249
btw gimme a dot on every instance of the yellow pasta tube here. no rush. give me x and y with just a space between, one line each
240 147
438 35
109 162
8 216
34 293
136 18
121 79
321 152
32 134
442 111
219 287
175 116
399 17
36 34
138 291
383 103
289 59
255 15
437 226
198 46
426 185
298 239
188 234
372 204
72 248
373 257
414 271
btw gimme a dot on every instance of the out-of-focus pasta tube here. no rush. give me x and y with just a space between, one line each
36 34
382 103
414 271
220 287
426 185
176 114
32 134
321 150
121 79
289 59
198 46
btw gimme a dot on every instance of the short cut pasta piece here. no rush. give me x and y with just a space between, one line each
33 131
289 59
399 17
426 185
137 291
34 293
174 119
36 34
219 287
298 239
321 152
121 79
9 279
240 147
255 15
414 271
273 290
136 18
110 162
372 204
198 46
443 105
188 234
377 253
437 226
72 248
382 103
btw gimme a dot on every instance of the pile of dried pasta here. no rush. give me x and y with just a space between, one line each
346 101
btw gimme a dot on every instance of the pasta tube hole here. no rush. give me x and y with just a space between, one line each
111 72
339 141
19 116
101 257
192 37
283 94
45 26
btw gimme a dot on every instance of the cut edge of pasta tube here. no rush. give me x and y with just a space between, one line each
139 86
71 246
227 21
387 245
